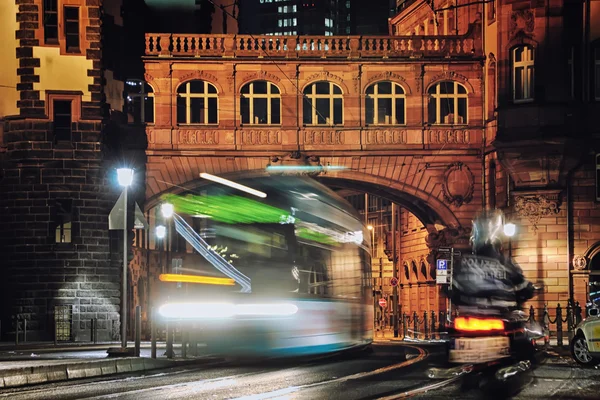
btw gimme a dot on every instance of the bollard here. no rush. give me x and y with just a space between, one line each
92 330
153 334
183 342
169 352
415 324
55 329
138 329
425 327
404 325
433 331
531 314
17 331
546 324
570 320
559 333
24 330
95 330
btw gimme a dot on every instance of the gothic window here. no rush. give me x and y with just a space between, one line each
323 104
63 221
71 20
139 101
50 22
197 103
522 73
260 103
447 103
385 104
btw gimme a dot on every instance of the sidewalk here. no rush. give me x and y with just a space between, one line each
32 363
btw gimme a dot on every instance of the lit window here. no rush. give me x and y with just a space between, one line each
447 103
323 104
260 103
385 104
63 221
50 21
139 101
279 23
197 103
294 9
72 29
522 73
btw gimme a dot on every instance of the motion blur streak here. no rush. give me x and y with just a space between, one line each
477 324
234 185
266 309
224 310
193 238
208 280
196 310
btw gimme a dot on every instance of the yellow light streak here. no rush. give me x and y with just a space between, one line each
207 280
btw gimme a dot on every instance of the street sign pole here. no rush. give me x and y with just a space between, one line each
450 291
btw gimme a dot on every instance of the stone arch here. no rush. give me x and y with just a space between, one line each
406 271
345 90
414 271
278 85
423 269
200 77
402 83
591 258
427 208
467 85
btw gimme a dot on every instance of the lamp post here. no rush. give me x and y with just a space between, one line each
372 229
125 178
160 232
509 230
167 211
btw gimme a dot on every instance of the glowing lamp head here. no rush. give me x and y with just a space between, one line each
161 231
370 227
125 176
510 229
167 210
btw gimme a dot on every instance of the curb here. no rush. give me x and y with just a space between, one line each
22 376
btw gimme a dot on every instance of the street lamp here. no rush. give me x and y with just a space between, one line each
125 178
167 211
509 230
160 233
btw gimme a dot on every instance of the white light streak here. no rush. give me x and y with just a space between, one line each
232 184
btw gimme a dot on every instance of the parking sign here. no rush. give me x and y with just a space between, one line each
441 275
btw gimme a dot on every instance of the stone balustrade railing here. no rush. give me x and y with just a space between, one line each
230 46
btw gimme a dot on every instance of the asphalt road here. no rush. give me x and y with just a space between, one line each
392 370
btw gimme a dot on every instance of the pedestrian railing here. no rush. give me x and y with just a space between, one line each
558 322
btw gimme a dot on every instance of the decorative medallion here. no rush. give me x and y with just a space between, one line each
448 75
521 21
536 206
324 75
260 75
295 159
579 262
198 75
387 75
458 185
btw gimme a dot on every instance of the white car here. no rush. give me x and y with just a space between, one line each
585 346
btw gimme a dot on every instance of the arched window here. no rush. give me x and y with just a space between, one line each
197 103
139 101
447 103
522 73
323 104
260 103
385 104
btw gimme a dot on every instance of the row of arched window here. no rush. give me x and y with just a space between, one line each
323 103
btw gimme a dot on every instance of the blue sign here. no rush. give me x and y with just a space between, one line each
442 264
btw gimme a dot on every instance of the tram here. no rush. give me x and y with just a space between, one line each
280 266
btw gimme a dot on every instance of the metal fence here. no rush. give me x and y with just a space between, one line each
558 322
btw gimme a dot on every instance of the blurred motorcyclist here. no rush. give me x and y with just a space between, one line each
487 278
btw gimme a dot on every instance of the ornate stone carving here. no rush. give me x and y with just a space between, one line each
458 184
295 159
450 137
325 75
198 137
492 60
536 206
148 77
521 21
325 137
261 75
391 136
579 262
387 75
200 74
261 137
447 237
448 75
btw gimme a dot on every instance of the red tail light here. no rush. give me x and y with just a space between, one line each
476 324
